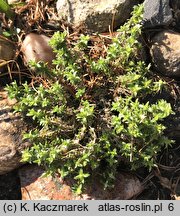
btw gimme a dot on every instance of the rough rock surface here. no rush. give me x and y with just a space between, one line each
35 47
165 53
36 187
95 15
157 13
11 144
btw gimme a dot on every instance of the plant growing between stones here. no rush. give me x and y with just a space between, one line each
88 114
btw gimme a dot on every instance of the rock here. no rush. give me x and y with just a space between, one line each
35 47
36 187
165 53
96 16
157 13
126 186
11 128
7 51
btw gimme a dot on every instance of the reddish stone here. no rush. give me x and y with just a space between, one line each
36 187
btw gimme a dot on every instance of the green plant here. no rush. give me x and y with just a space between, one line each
5 8
88 114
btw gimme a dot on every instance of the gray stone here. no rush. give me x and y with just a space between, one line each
165 53
11 128
157 13
95 15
